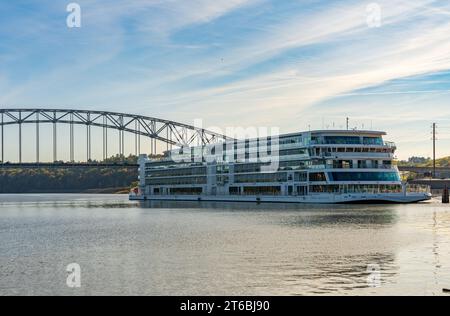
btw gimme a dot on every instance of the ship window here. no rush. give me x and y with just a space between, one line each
342 140
362 164
234 190
265 190
186 191
290 140
302 190
324 188
177 180
291 164
297 151
300 176
346 164
317 176
372 141
364 176
260 177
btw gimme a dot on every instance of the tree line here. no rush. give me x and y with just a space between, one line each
63 180
38 180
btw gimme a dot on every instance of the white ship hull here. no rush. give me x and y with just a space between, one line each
312 199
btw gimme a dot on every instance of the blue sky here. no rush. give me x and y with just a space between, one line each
288 64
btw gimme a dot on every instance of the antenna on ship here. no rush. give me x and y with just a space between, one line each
347 122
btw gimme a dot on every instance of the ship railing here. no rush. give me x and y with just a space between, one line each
355 155
417 188
390 144
383 143
330 166
370 189
362 189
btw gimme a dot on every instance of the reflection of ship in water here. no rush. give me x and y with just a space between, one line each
321 249
328 274
311 214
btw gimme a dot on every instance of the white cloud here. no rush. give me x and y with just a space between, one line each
416 44
158 16
419 49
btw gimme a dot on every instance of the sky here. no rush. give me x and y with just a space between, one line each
295 65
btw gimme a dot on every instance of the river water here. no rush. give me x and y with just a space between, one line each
195 248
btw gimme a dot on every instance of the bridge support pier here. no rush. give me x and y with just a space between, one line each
139 138
20 142
71 141
105 139
37 137
3 152
20 137
106 142
121 145
88 142
55 158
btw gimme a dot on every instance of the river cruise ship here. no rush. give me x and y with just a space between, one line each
323 166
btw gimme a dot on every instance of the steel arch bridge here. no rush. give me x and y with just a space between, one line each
169 132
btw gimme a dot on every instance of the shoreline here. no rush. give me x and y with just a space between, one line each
118 190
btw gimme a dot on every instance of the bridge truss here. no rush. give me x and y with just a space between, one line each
169 132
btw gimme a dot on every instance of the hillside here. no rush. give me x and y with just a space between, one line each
425 162
65 180
60 180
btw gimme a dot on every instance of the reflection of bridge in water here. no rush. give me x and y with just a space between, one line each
161 133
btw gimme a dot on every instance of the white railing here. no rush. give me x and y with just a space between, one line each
417 188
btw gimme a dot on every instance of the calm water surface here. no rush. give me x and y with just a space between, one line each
212 249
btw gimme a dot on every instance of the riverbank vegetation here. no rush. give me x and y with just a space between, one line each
68 180
56 180
424 162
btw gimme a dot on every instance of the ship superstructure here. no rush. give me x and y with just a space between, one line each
322 166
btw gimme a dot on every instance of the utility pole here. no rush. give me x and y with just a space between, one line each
434 150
